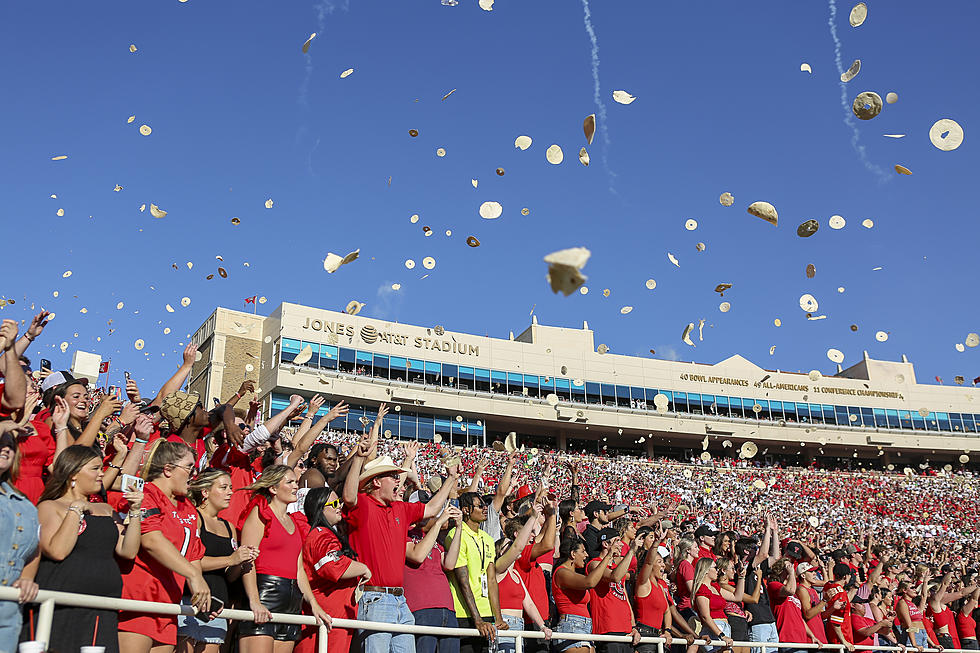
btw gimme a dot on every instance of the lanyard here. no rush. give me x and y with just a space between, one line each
479 545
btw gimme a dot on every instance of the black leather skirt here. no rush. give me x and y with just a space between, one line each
277 595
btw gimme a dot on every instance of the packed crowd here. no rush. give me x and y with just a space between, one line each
160 499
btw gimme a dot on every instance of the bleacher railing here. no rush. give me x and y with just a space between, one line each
48 599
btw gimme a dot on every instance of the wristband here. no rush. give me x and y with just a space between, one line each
137 513
138 441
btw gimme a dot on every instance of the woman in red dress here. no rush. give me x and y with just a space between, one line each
36 450
170 551
332 572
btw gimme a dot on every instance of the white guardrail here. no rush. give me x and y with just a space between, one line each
49 599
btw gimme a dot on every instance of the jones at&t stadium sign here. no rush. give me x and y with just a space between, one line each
369 335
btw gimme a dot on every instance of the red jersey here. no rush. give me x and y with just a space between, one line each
650 609
609 605
239 467
839 613
324 564
789 615
378 533
145 579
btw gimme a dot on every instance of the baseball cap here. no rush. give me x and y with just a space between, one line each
705 531
804 567
607 534
59 378
523 491
594 507
794 551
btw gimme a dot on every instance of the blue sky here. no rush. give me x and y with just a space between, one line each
240 115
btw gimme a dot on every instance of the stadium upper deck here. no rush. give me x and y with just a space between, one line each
551 385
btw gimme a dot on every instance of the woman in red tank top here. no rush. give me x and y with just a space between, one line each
964 621
514 598
571 591
653 600
710 599
910 607
944 619
271 584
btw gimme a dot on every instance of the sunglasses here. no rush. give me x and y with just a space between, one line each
335 504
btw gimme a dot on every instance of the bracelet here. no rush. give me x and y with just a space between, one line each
138 441
114 466
137 513
238 395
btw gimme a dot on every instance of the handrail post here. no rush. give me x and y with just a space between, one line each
45 617
321 640
518 644
660 647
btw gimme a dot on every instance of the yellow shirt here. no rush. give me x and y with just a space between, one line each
476 552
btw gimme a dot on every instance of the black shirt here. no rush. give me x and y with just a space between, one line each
761 612
591 537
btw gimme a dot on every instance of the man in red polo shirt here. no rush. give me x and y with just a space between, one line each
377 527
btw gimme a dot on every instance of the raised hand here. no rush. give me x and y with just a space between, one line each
315 403
247 387
128 414
133 391
8 334
340 410
38 322
411 452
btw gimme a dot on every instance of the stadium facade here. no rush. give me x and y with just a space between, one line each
469 389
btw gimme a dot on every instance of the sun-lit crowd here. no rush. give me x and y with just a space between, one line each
152 496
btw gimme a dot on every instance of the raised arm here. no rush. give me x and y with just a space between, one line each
503 487
275 423
575 581
15 383
547 542
173 383
477 475
357 463
437 502
417 552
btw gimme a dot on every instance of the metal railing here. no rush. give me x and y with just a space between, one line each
48 599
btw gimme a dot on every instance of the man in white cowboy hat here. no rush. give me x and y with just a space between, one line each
377 527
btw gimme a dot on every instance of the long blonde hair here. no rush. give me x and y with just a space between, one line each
701 574
203 482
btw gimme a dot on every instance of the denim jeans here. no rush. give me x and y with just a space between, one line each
441 618
920 638
570 623
389 609
763 633
508 644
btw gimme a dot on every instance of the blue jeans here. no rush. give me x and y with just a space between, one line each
763 633
508 644
920 638
389 609
441 618
572 624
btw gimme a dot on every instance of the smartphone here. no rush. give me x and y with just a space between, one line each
217 605
132 483
45 364
112 390
126 374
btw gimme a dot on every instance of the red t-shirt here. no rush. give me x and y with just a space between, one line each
610 606
145 579
378 533
966 625
239 467
789 615
426 585
532 574
685 573
706 552
324 565
716 603
650 609
839 614
858 622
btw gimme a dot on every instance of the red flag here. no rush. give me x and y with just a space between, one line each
104 367
251 300
976 380
940 380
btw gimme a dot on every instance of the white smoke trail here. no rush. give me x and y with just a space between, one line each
845 105
323 8
597 94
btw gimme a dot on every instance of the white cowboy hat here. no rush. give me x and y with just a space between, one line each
381 465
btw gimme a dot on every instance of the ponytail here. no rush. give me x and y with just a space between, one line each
163 453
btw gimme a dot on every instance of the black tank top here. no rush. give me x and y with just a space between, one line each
217 546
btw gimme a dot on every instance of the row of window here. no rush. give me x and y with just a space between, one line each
431 373
402 424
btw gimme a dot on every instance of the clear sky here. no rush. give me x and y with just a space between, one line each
240 115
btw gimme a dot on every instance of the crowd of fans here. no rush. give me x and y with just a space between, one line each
160 499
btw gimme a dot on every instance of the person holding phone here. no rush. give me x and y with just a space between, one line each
79 542
222 563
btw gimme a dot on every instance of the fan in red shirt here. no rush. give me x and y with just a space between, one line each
685 555
838 612
378 527
609 604
170 551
